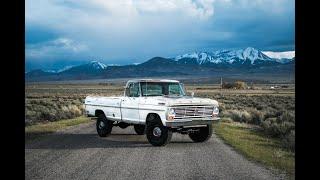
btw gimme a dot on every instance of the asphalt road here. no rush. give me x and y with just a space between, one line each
79 153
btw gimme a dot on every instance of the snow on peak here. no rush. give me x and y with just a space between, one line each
98 65
64 69
280 55
190 55
253 54
250 53
227 56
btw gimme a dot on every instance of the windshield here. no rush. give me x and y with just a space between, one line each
161 89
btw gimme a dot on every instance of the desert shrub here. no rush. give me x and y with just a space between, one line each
256 116
222 107
74 110
226 85
240 85
288 141
287 116
275 114
46 115
54 109
246 117
268 126
271 113
235 85
275 127
235 115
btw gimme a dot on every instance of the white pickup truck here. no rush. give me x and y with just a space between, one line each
156 108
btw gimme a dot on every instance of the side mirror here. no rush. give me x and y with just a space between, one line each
126 91
192 94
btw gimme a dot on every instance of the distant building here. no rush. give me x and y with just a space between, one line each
275 87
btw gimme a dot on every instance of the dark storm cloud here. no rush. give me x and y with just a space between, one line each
129 31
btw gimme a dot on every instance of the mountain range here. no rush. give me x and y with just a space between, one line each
222 62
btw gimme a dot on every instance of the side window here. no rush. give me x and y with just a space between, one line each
133 90
174 89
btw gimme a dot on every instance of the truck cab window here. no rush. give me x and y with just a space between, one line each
133 90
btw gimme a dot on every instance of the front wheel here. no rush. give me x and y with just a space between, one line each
139 129
202 135
104 126
157 134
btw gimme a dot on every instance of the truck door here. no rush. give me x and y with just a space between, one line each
130 103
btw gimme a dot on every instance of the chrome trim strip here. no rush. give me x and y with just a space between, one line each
127 107
102 105
191 105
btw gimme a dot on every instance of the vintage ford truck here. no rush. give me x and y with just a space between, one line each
156 108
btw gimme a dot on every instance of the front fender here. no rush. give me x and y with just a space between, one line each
159 110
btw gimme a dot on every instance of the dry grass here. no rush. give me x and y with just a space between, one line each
37 130
250 141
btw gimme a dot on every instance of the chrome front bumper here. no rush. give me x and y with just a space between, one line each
191 122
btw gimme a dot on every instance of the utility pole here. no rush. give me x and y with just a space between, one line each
220 86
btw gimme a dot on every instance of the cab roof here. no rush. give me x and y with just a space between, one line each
152 80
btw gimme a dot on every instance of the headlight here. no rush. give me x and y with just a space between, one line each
171 112
215 110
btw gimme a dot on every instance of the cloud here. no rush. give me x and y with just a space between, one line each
62 47
127 31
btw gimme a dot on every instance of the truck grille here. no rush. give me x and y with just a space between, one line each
193 111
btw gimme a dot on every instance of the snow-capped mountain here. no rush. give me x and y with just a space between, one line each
281 57
97 65
93 67
241 56
216 63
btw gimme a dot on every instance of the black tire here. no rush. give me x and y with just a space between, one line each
160 140
204 134
139 129
103 126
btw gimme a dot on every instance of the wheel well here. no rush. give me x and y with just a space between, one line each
153 117
98 112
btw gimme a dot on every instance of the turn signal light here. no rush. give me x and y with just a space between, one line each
170 118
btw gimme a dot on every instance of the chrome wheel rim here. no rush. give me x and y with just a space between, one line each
157 132
101 125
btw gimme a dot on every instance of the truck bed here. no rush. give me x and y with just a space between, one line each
110 106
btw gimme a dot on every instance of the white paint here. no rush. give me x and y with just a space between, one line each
135 109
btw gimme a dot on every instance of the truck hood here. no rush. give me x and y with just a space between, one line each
180 100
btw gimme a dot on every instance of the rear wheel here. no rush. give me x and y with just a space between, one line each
202 135
139 129
103 126
157 134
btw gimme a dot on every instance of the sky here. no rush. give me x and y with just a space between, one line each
70 32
